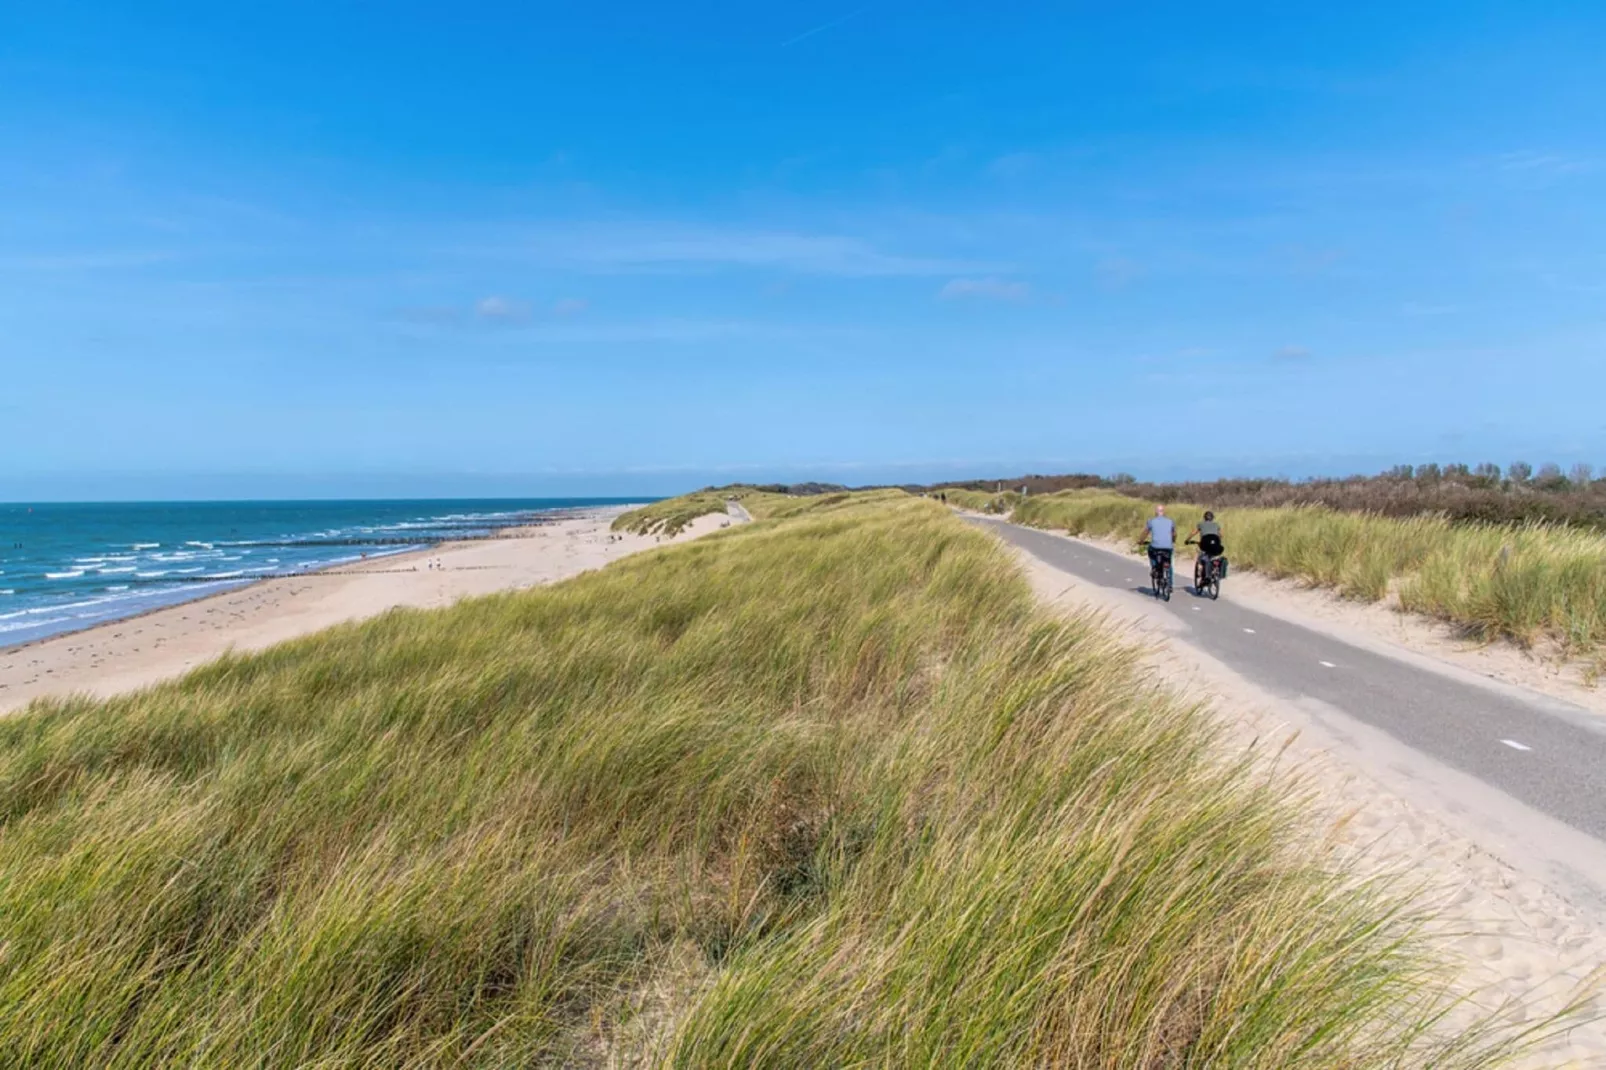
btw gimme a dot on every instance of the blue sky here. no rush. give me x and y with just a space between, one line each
515 248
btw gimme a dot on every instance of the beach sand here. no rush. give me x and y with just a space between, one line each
139 651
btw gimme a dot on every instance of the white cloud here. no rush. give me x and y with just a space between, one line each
990 288
1291 353
822 27
668 330
1547 163
501 309
570 306
667 247
84 261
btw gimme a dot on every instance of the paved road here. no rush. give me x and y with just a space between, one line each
1542 752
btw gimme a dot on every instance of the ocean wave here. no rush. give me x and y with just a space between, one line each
17 627
146 546
153 574
7 590
61 607
123 587
73 575
120 568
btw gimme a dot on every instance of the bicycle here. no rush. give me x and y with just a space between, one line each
1160 574
1206 574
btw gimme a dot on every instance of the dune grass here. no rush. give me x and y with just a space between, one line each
980 501
1524 582
671 515
822 790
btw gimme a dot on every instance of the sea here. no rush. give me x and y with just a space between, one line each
67 566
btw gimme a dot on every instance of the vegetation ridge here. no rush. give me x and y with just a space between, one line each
823 790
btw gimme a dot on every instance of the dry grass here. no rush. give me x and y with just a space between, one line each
1525 582
823 790
982 501
672 515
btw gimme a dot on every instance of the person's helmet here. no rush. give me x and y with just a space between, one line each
1209 515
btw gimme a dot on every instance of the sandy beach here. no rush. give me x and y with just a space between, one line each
139 651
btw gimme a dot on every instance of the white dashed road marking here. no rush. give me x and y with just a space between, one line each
1514 745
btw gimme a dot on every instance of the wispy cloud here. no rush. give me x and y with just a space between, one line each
991 289
1312 260
1552 164
1291 354
570 306
94 260
1417 308
1117 272
1013 164
655 247
432 315
502 310
824 26
537 333
497 310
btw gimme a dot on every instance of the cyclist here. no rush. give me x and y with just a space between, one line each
1207 533
1161 534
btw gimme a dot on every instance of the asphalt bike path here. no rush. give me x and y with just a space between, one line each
1544 753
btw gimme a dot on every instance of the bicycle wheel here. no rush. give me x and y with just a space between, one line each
1165 584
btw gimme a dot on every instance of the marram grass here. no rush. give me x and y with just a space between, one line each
1524 582
823 790
672 515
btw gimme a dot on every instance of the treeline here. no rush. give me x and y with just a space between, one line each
1484 492
797 490
1033 484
